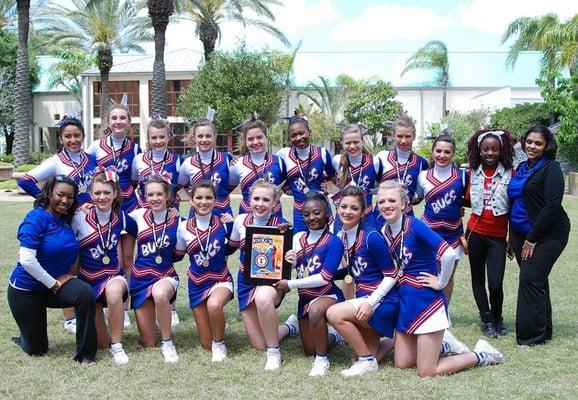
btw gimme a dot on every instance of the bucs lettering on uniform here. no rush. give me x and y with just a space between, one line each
121 158
145 164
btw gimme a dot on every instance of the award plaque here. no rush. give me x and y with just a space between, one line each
265 248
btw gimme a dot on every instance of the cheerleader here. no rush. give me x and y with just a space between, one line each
208 164
116 149
356 167
203 237
317 254
373 312
153 279
258 303
158 160
443 187
98 231
256 163
308 166
401 164
416 251
491 155
73 162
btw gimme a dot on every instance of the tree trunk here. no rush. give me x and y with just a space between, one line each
104 61
445 80
208 35
159 12
23 104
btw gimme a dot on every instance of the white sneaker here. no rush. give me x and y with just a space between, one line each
293 324
169 352
337 338
273 362
118 355
320 367
70 325
360 368
451 345
126 319
219 352
175 318
487 353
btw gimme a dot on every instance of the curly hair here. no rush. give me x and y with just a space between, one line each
506 144
43 199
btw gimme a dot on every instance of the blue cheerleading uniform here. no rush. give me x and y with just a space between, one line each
203 278
323 257
306 170
422 309
246 291
78 166
406 173
146 271
370 264
363 172
148 163
119 154
99 265
443 201
212 166
251 167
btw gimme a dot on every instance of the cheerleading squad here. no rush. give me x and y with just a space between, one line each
377 278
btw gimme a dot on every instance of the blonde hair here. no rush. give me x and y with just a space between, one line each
263 184
394 185
190 137
405 121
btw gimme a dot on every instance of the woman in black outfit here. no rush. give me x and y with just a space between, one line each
539 232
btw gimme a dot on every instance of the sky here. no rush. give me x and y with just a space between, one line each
381 25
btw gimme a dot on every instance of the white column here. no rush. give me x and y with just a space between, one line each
87 111
143 92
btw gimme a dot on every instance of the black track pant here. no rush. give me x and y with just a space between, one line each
487 255
29 311
534 310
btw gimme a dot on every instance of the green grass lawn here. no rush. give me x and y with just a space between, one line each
541 372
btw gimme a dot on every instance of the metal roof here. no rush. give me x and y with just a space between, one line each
182 60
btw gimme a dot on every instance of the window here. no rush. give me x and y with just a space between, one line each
117 90
174 90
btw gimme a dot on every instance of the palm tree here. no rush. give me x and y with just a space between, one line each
208 16
66 72
433 55
330 99
159 12
99 26
23 103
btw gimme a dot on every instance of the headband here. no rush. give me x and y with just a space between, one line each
497 134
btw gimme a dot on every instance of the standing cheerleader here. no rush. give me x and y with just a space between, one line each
373 312
203 237
98 231
258 303
490 154
153 279
317 254
116 149
208 164
443 187
256 163
73 162
308 166
417 250
158 160
401 164
356 167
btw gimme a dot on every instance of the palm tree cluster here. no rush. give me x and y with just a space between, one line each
101 27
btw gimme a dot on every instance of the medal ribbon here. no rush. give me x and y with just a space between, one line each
307 257
158 245
105 245
305 176
201 165
204 250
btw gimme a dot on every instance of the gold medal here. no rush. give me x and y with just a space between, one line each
106 260
158 259
305 190
348 279
206 262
